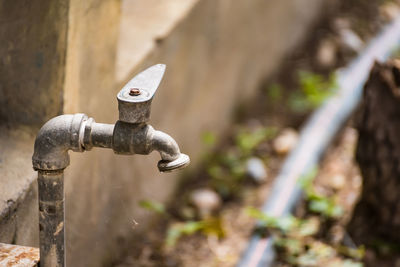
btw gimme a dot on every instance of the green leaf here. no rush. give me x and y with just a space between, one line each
350 263
319 206
314 90
274 92
306 180
153 206
284 224
177 230
191 227
290 245
215 171
355 253
269 221
318 203
248 140
308 227
209 138
325 206
287 223
173 234
213 226
210 226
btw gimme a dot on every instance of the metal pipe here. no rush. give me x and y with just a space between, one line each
315 137
51 218
102 135
79 133
54 139
130 135
164 144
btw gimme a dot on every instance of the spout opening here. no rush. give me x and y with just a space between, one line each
168 166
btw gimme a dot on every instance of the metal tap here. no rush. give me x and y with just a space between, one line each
130 135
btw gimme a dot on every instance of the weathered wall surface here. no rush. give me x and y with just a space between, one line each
18 190
92 205
216 55
216 51
33 44
32 66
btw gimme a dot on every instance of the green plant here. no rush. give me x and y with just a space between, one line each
153 206
355 253
325 206
294 240
274 92
287 225
227 168
318 203
247 140
226 171
209 139
209 226
314 89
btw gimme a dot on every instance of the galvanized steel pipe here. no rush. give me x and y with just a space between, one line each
51 218
130 135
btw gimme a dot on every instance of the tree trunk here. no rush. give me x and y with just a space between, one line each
377 214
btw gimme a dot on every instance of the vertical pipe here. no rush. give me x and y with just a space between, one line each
51 218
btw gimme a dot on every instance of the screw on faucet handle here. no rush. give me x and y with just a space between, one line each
134 99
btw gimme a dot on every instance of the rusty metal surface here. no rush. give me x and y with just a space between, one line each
51 218
18 256
134 100
130 135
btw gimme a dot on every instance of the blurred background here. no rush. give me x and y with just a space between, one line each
242 77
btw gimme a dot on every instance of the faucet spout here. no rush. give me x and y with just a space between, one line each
141 138
171 157
164 144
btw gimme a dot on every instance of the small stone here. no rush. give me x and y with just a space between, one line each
286 141
326 53
341 23
206 201
350 40
336 234
333 167
351 198
189 213
256 170
370 255
397 263
357 182
389 11
347 39
338 181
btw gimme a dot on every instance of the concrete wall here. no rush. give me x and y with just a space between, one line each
92 205
33 43
32 69
216 51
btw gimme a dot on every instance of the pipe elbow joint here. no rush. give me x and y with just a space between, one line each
54 139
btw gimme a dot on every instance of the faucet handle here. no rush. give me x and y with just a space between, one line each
134 99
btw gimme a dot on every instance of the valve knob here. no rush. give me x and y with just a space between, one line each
134 99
